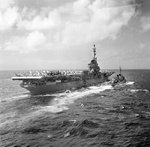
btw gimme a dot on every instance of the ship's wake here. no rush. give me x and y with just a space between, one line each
61 101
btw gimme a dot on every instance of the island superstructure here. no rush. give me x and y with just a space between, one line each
56 81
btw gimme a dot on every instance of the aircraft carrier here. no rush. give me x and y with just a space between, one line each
56 81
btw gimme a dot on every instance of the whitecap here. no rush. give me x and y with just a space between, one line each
138 90
54 109
22 96
129 83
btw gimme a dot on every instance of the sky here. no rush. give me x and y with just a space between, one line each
59 34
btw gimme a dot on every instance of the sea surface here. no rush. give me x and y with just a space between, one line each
97 116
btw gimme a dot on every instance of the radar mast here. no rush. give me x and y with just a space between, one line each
94 51
120 69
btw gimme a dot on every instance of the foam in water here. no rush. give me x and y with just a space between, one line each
63 99
138 90
22 96
129 83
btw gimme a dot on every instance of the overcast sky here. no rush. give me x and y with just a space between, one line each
59 34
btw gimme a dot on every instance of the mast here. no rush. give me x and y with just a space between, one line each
120 69
94 51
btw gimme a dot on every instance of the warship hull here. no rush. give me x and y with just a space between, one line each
54 87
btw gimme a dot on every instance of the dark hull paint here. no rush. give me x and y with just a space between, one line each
57 87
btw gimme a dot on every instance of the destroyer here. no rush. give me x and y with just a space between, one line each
55 81
119 79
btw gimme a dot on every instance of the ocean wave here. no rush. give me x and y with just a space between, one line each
79 128
9 120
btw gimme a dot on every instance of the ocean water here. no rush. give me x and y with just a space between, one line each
97 116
